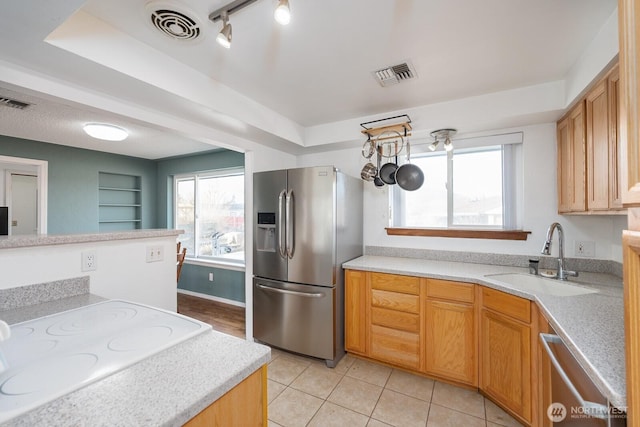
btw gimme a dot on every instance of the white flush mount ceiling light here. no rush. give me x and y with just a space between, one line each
224 36
282 14
105 131
444 135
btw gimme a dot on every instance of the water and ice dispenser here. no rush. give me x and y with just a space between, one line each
266 232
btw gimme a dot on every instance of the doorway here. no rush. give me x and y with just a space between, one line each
31 178
23 203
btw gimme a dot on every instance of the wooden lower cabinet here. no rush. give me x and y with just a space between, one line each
507 342
393 319
424 325
355 301
451 342
243 405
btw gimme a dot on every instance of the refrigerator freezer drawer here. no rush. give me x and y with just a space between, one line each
298 318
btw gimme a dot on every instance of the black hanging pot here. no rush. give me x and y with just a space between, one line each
388 171
409 177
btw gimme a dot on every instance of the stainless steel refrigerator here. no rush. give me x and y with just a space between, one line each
307 222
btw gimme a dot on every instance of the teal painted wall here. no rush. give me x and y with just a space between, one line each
73 196
73 182
228 284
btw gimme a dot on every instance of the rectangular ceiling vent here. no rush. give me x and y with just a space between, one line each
8 102
395 74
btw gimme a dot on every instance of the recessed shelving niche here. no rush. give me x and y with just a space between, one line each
119 202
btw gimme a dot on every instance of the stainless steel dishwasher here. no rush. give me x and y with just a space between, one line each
570 398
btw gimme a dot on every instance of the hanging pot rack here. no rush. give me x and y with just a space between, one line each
403 127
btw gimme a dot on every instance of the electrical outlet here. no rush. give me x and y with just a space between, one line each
89 261
211 277
585 249
155 253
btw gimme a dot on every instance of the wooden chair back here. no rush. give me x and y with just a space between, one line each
180 259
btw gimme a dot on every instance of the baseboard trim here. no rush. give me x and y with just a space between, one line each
212 298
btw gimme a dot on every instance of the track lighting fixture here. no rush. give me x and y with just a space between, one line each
282 13
224 36
445 134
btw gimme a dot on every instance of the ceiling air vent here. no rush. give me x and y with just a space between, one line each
178 25
8 102
395 74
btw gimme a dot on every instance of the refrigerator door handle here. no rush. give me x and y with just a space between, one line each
290 224
281 225
288 292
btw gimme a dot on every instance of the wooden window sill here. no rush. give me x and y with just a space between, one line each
459 233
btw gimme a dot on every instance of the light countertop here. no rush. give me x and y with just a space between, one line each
166 389
591 325
25 241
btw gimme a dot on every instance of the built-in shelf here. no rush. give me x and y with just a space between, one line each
119 201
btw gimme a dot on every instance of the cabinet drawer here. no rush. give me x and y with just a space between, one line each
395 319
510 305
395 301
397 347
454 291
395 283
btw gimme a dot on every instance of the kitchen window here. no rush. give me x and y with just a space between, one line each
210 208
473 187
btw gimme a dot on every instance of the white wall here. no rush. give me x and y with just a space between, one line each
122 271
539 191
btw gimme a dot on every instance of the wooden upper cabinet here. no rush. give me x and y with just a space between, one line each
589 151
629 42
597 107
615 147
565 168
571 161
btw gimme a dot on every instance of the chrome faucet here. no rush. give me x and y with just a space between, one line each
546 250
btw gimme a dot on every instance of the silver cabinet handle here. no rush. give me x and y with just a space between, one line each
288 292
596 410
290 224
281 225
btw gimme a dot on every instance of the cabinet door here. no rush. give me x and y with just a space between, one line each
597 107
250 395
615 159
577 121
629 31
505 373
565 167
355 298
451 341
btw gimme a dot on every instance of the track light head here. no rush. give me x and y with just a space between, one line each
282 13
446 134
447 144
433 145
224 36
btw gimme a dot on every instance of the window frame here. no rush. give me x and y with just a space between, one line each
195 258
511 149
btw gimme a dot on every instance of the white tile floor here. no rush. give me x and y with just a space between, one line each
304 392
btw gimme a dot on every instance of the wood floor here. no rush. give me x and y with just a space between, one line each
223 317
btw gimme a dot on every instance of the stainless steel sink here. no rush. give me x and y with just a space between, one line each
537 284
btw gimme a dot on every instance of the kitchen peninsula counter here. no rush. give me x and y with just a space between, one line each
31 240
591 325
165 389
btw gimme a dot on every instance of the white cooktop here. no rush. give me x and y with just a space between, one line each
51 356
